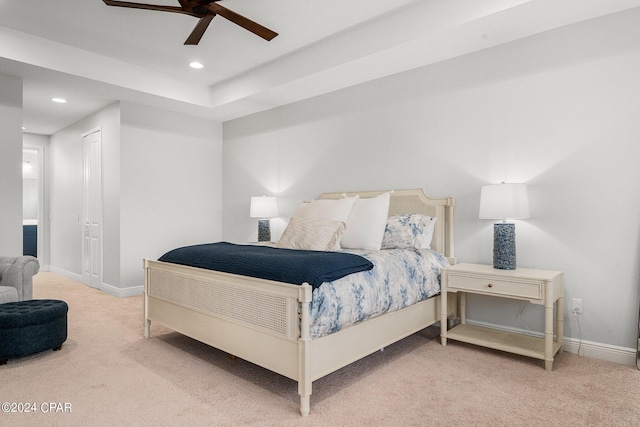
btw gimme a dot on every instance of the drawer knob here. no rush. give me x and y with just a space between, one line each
490 285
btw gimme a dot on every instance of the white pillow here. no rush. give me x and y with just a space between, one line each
366 224
335 209
314 234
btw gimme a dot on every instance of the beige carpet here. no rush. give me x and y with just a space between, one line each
109 375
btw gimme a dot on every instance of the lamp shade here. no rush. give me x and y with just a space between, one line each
504 201
263 207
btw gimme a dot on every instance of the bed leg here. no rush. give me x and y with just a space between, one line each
305 405
304 351
147 328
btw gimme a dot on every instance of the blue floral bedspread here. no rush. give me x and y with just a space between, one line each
400 278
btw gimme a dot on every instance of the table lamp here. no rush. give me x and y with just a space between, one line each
263 207
504 201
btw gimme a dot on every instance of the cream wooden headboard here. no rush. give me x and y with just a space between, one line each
417 201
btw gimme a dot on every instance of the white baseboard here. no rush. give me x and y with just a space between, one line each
595 350
104 287
610 353
65 273
121 292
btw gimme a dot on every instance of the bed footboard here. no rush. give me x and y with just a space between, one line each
254 319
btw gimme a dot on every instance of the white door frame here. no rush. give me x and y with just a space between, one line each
41 226
92 209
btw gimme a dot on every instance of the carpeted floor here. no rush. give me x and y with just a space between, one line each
107 374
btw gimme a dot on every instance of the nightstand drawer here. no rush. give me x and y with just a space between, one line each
488 286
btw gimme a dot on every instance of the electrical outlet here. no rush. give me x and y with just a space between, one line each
576 305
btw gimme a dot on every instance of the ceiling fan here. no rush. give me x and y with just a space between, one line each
206 10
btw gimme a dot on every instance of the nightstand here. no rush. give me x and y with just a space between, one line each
543 287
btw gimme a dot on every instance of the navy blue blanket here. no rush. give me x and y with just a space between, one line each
264 262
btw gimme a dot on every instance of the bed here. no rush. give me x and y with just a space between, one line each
267 322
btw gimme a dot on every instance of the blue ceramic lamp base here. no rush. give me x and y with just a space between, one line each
264 230
504 246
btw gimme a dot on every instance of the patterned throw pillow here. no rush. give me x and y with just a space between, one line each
408 231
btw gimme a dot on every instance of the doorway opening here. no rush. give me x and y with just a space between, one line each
31 201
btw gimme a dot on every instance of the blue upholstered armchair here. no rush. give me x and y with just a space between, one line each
16 278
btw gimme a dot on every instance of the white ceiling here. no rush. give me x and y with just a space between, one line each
93 55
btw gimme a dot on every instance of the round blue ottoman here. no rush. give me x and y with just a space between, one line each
28 327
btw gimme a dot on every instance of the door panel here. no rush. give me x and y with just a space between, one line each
92 210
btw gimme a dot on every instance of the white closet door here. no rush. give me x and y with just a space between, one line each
92 211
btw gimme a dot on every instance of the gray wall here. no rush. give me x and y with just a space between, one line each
558 111
10 165
171 185
161 187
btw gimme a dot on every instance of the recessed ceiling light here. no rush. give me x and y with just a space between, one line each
196 65
24 128
59 100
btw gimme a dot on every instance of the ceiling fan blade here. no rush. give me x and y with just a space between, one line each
149 7
185 5
240 20
200 28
